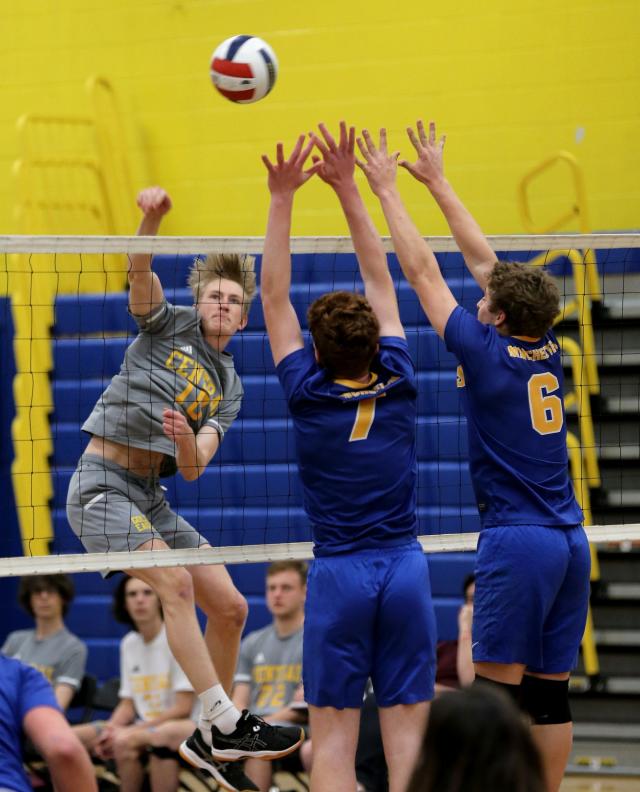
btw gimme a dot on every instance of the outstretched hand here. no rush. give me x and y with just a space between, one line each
379 166
154 202
338 159
286 175
429 167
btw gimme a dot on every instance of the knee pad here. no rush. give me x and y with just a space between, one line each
513 691
545 700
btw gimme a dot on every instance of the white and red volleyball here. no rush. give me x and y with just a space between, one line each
244 69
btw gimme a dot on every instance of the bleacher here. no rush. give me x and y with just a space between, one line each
250 494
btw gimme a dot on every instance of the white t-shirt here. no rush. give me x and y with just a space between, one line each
150 674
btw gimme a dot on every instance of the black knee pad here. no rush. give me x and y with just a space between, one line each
545 700
513 691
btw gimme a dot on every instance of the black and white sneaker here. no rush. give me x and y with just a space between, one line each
229 775
254 737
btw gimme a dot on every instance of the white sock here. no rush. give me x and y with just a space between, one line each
217 708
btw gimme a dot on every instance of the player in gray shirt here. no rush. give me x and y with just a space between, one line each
167 411
50 647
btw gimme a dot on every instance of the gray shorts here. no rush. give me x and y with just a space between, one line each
111 509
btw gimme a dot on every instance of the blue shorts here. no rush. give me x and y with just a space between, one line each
369 614
532 596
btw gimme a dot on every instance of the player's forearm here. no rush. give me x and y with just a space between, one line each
71 768
416 259
366 239
275 280
145 289
464 659
477 253
194 452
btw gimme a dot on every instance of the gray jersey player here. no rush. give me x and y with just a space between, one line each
166 411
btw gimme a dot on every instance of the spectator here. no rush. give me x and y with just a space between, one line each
156 698
50 647
455 663
270 665
28 705
477 740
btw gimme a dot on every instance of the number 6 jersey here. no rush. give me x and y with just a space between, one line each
511 390
356 448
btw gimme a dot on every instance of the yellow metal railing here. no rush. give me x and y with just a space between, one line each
580 451
577 212
72 177
583 459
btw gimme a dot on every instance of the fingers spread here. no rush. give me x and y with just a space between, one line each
319 144
331 143
363 149
267 163
414 140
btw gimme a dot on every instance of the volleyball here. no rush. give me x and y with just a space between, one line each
244 69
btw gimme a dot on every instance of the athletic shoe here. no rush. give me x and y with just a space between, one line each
254 737
229 776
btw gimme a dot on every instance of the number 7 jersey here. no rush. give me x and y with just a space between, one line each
356 449
512 396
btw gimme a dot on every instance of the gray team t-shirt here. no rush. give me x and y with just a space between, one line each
168 365
61 657
272 666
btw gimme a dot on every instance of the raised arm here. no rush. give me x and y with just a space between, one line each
285 177
416 258
145 289
429 169
337 170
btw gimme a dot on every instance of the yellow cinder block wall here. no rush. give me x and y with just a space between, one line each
510 81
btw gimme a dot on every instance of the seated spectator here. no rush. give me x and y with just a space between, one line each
454 670
268 679
50 647
455 663
156 698
28 707
477 740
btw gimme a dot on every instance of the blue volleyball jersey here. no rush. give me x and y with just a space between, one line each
356 449
512 393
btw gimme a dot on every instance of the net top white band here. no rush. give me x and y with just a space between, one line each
320 244
248 554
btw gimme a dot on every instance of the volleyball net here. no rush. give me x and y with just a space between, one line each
66 328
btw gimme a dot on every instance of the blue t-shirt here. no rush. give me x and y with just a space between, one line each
356 449
22 688
512 396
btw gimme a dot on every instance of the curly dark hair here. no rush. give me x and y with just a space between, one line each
62 584
345 332
528 296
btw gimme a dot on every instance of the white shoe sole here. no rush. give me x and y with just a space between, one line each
231 755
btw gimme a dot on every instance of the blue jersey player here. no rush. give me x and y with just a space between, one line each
352 396
533 563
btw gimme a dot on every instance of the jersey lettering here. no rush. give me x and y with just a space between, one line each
199 398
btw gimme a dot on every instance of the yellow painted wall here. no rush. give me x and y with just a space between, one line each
510 81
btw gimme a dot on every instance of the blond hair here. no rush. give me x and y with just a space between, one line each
232 266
